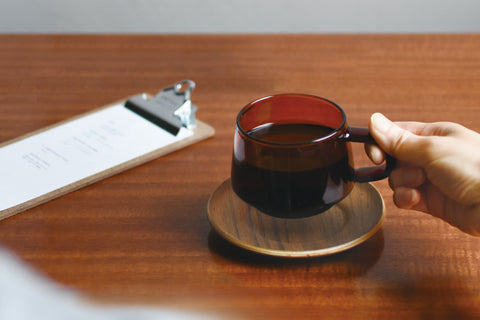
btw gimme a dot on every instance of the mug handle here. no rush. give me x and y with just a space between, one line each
374 173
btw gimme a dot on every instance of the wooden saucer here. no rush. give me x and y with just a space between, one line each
347 224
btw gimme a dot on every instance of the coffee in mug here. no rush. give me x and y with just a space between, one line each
292 156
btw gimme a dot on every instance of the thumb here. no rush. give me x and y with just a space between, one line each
398 142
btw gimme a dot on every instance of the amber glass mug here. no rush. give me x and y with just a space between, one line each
292 156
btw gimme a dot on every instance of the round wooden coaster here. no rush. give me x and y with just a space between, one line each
347 224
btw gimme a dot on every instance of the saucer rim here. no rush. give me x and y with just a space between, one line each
300 253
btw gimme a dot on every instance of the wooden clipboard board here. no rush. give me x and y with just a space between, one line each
200 132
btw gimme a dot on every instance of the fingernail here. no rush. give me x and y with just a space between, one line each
377 155
380 122
414 197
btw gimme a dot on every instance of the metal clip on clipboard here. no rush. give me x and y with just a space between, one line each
170 109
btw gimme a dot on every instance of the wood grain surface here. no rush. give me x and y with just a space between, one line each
143 236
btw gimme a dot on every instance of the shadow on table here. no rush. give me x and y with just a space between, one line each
352 262
427 297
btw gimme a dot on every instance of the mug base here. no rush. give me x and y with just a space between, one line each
298 213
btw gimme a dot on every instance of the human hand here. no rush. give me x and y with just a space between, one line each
438 168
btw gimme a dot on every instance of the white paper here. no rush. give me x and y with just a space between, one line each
76 150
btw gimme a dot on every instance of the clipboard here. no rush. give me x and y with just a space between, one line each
53 161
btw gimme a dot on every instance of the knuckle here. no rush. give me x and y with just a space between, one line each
428 148
452 128
399 142
468 192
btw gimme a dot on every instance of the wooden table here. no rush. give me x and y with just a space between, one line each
143 236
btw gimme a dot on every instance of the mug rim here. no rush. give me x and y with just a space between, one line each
302 143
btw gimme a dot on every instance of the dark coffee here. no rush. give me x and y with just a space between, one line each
289 180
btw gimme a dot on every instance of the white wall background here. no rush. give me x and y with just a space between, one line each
239 16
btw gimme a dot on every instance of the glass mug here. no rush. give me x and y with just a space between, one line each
292 156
